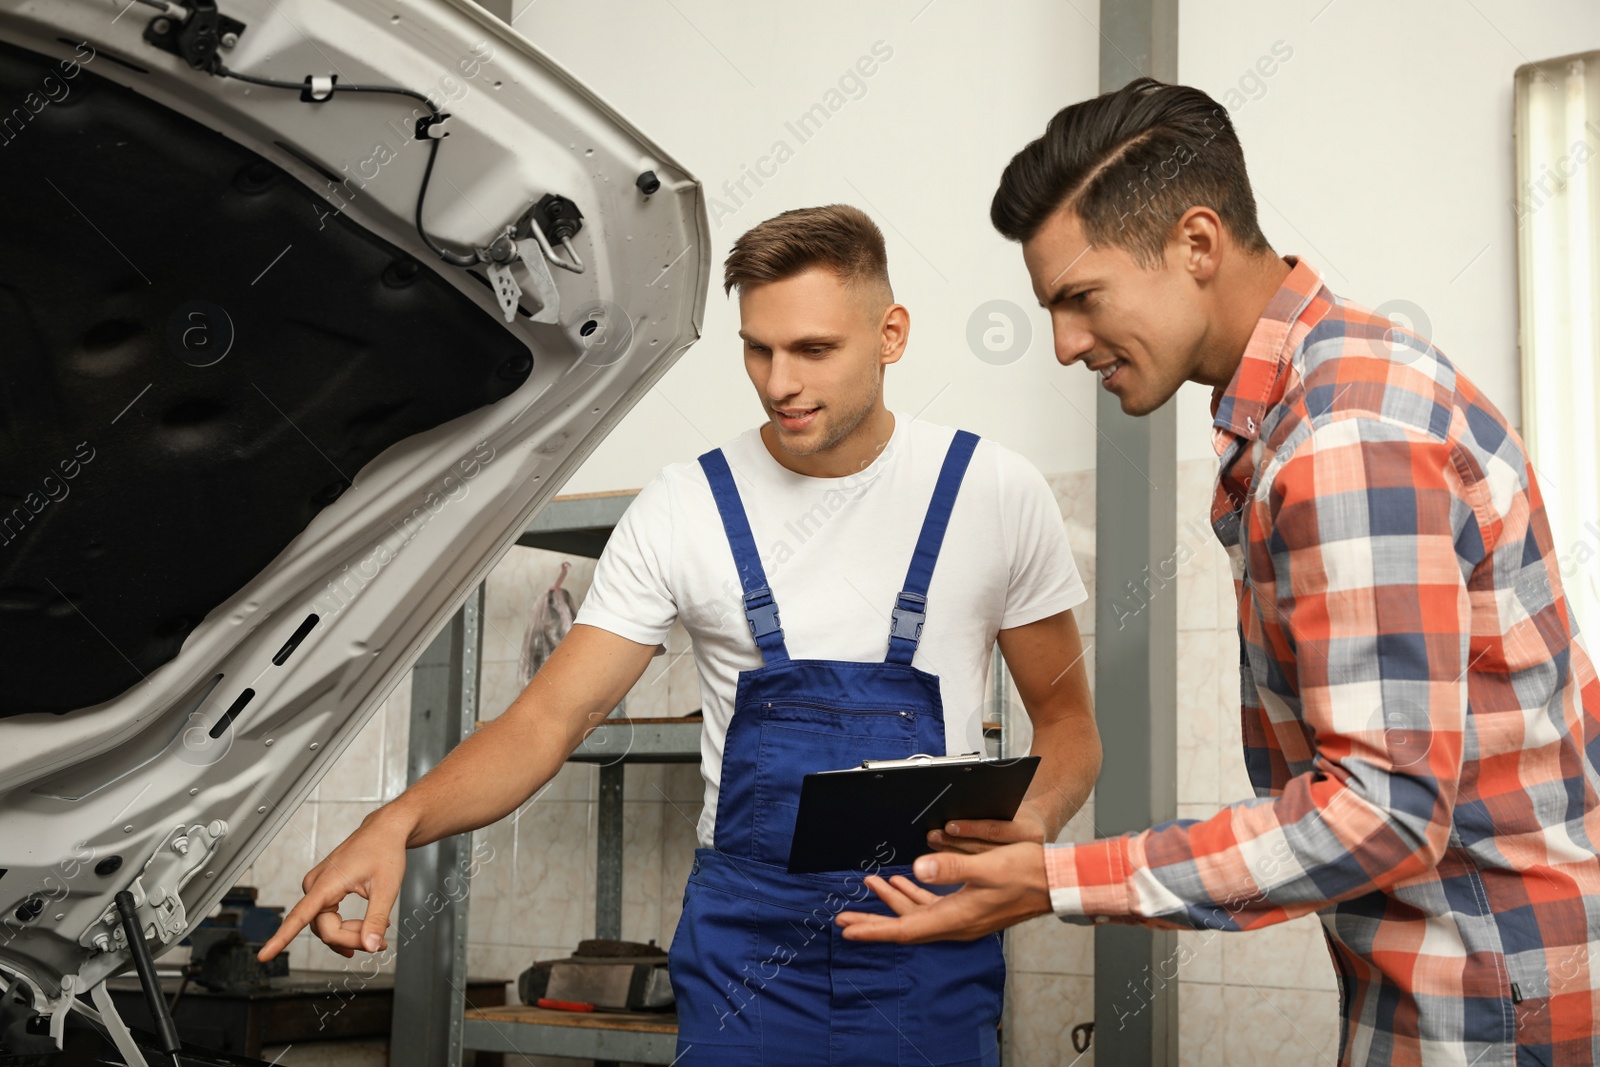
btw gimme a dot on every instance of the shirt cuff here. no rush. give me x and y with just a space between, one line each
1090 880
622 627
1043 610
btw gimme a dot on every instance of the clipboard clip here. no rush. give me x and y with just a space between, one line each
922 759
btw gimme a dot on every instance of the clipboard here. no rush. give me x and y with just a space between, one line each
879 814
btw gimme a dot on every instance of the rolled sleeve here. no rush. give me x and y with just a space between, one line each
1090 881
631 595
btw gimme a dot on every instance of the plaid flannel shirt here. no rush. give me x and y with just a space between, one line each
1420 722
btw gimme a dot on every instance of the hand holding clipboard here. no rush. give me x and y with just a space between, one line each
881 812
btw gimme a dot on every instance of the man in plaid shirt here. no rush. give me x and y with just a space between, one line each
1420 721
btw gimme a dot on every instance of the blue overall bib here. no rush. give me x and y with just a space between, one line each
760 970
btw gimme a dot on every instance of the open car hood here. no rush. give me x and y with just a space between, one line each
257 441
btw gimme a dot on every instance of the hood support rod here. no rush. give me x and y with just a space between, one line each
146 966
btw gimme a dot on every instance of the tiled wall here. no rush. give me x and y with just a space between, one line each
1051 987
1265 997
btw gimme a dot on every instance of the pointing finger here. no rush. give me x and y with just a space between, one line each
297 919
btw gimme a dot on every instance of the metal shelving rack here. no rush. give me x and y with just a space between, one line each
614 745
431 1027
581 525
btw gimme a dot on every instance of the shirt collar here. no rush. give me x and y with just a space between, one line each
1239 407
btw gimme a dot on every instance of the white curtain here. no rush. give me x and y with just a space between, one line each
1557 205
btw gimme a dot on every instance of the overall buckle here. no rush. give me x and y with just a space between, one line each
909 613
761 612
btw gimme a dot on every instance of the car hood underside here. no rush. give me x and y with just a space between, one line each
257 440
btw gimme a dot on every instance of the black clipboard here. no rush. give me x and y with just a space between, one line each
879 814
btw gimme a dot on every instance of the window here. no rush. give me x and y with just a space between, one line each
1557 203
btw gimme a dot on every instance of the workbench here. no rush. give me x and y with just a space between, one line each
297 1007
626 1037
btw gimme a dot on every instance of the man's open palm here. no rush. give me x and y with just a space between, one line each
999 888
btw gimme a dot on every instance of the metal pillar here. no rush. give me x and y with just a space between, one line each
430 926
608 853
1137 37
1136 1012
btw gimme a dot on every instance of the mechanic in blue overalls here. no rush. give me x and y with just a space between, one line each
843 575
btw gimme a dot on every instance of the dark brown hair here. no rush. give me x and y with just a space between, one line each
1129 164
839 237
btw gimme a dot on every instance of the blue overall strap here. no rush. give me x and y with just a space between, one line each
760 610
911 606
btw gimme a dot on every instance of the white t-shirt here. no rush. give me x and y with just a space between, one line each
836 552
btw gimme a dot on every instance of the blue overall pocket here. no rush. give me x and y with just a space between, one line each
797 739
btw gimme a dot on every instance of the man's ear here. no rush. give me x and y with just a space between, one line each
894 332
1199 237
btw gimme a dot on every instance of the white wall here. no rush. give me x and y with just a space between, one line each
920 149
1381 150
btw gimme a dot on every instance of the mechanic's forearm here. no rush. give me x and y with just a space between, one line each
483 779
1069 762
511 757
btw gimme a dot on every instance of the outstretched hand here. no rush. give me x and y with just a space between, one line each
369 863
999 888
